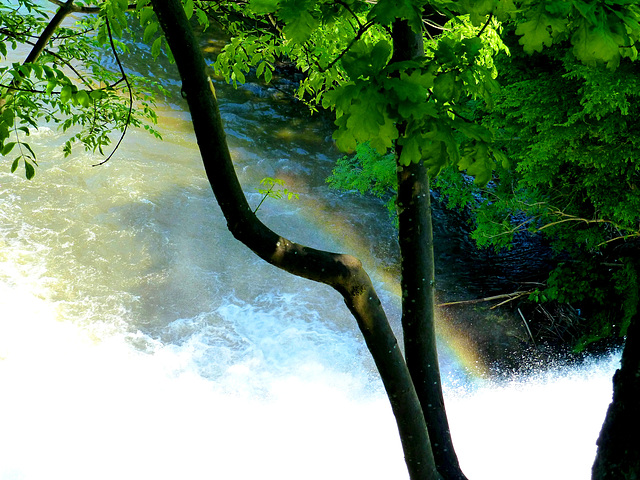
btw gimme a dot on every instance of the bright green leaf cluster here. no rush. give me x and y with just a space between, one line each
601 32
88 103
270 190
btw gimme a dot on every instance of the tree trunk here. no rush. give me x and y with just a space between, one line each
415 237
418 311
343 272
618 456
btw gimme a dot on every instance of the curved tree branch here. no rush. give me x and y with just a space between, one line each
124 76
342 272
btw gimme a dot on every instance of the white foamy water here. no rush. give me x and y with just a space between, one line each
75 408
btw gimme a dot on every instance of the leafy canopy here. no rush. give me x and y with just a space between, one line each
65 83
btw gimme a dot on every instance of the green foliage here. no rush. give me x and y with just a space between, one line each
568 128
67 84
270 190
601 32
607 295
367 172
246 51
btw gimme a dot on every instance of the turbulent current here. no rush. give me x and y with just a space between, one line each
139 340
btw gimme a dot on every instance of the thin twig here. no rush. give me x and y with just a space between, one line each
264 198
485 25
361 32
508 296
527 326
124 76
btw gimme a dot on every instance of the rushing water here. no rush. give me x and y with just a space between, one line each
139 340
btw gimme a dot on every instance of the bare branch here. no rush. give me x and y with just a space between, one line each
124 76
485 25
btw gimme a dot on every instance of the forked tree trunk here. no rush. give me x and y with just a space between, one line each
618 456
415 237
342 272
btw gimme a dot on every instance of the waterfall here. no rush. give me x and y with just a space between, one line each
139 340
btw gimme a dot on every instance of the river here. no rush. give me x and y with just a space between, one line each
139 340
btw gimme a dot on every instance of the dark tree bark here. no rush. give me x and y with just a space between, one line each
64 10
418 311
618 456
343 272
415 237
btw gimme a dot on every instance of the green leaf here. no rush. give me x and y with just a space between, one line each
150 31
410 150
51 84
387 133
476 160
66 93
268 74
156 47
501 157
446 88
238 75
28 147
7 148
597 44
29 170
202 18
145 15
82 97
14 165
97 95
188 8
116 27
435 156
366 60
8 116
37 70
534 32
299 29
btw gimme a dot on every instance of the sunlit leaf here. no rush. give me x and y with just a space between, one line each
82 97
66 93
7 148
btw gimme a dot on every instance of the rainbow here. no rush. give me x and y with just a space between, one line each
459 348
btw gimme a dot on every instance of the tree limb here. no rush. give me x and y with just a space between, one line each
126 80
342 272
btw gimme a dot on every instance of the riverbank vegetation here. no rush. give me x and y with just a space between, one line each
572 179
550 152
